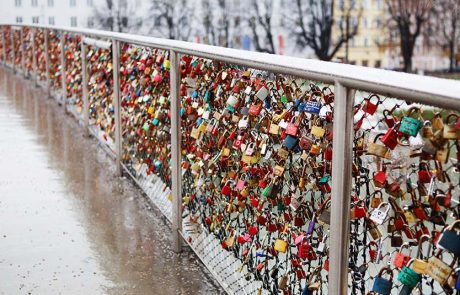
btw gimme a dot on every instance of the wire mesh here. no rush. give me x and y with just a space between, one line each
405 193
72 45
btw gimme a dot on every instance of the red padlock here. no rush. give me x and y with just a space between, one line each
424 173
226 189
380 179
328 153
401 259
253 230
390 139
370 107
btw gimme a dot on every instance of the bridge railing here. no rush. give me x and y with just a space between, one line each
271 168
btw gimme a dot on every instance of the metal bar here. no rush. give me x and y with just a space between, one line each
98 43
21 33
117 103
63 72
4 45
84 81
342 158
47 63
34 57
176 175
13 52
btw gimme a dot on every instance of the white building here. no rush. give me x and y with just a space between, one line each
50 12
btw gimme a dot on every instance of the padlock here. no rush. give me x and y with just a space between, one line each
369 106
255 109
438 122
424 173
290 142
450 238
400 259
380 179
318 131
373 252
389 119
358 211
376 198
381 285
408 277
427 129
450 130
379 214
226 189
281 245
374 230
390 138
409 125
438 269
314 106
376 149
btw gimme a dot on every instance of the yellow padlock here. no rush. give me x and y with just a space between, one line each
281 245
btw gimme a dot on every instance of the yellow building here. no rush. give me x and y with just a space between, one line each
368 47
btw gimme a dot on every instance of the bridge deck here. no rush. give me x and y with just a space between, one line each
67 224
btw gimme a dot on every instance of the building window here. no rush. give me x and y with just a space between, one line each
365 63
34 3
17 3
365 42
18 19
50 3
73 21
378 3
364 22
51 20
378 63
139 21
35 19
378 22
73 3
89 3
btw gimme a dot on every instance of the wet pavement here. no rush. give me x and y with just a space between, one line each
68 225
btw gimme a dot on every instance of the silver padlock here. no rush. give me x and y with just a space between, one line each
378 215
322 245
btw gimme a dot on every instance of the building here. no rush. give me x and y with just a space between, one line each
74 13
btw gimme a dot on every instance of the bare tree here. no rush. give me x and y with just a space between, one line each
172 19
216 22
260 23
116 15
313 24
408 18
447 30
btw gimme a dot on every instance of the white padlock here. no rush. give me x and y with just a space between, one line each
378 215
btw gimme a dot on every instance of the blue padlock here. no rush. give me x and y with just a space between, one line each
450 239
381 285
312 107
290 142
457 284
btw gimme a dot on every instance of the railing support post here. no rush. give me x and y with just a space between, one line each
117 103
63 65
34 57
23 64
176 152
4 45
84 81
341 190
47 62
13 52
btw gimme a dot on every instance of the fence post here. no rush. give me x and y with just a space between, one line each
84 81
63 72
4 45
117 102
13 52
34 57
47 62
23 65
341 189
176 175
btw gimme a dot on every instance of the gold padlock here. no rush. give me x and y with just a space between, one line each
438 269
281 245
376 149
450 131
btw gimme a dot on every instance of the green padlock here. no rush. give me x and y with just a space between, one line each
267 190
324 180
408 276
410 125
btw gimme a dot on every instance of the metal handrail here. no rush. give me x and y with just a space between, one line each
346 79
415 88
